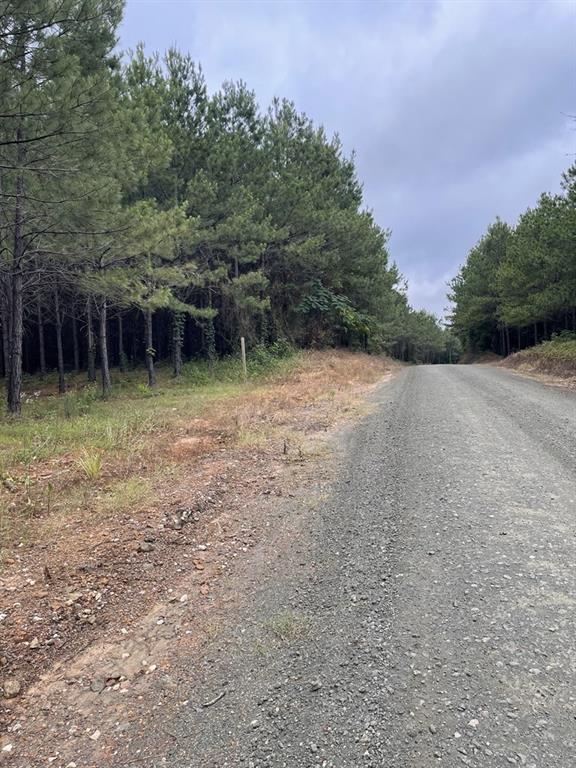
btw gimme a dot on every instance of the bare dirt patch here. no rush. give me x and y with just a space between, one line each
96 598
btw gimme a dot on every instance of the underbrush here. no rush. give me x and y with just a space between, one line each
556 356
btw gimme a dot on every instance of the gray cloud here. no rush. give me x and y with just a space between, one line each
455 109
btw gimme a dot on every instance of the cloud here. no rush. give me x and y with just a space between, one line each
427 292
456 110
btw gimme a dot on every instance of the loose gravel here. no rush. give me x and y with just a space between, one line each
418 611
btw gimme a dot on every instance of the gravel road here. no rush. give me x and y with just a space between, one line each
417 611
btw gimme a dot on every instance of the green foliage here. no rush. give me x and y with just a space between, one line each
521 278
556 356
422 339
474 290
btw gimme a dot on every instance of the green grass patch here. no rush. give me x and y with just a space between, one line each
288 626
88 426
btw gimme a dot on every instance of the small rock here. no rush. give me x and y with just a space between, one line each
184 599
74 597
96 735
145 546
34 643
12 688
315 685
97 685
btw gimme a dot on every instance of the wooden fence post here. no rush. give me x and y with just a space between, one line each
243 352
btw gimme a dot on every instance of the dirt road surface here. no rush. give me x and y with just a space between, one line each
418 611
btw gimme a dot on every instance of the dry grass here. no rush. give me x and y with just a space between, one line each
553 362
556 357
67 453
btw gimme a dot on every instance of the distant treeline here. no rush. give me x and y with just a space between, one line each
144 219
518 285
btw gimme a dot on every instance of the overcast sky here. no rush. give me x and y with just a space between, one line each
456 110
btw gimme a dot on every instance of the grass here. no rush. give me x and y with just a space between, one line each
557 356
90 457
90 464
119 496
82 423
281 630
80 450
288 626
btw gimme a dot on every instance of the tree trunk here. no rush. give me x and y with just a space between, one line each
41 344
134 344
14 378
16 288
518 339
150 351
121 353
91 342
177 339
508 348
76 345
5 339
535 333
209 333
104 365
3 311
59 347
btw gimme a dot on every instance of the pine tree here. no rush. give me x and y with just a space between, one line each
54 75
